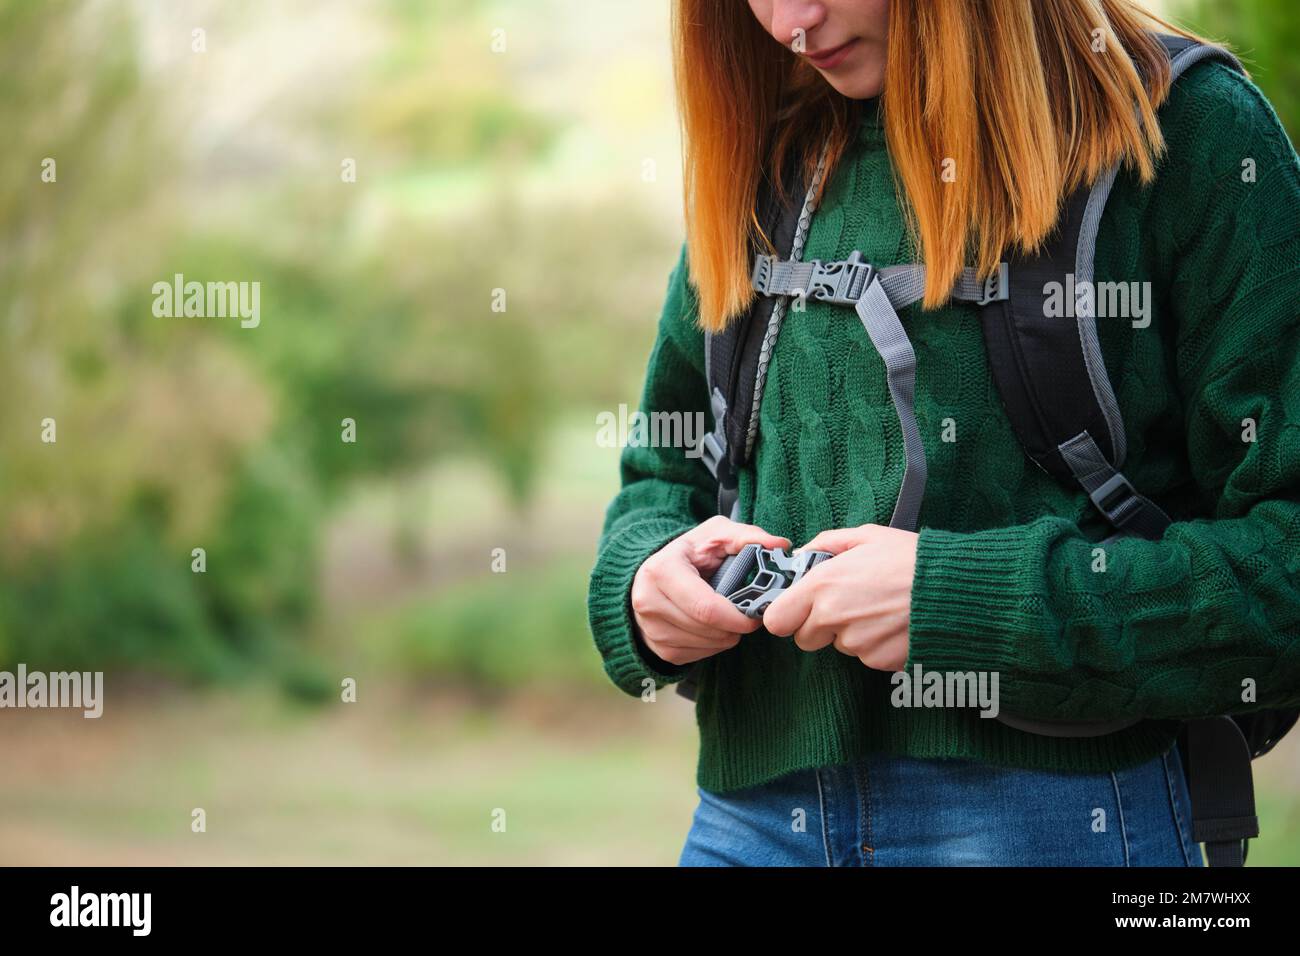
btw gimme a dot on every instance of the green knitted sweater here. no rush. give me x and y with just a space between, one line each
1006 576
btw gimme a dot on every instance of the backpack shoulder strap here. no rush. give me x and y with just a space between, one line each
1046 360
734 359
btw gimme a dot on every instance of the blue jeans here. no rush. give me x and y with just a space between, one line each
902 811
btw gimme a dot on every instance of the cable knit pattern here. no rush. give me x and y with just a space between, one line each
1006 575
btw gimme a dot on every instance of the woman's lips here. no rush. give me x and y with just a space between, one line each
833 57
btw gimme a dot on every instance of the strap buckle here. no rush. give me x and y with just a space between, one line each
756 576
841 283
997 287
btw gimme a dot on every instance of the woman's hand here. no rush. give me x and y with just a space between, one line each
860 600
681 618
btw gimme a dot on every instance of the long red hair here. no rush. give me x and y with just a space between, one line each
1025 99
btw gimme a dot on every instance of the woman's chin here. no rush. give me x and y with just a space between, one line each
855 88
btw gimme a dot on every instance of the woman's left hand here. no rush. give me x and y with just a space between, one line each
860 600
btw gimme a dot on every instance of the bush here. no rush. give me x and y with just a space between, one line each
497 632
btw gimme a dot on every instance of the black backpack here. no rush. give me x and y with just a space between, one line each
1058 397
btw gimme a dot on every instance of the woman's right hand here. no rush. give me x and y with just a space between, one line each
681 618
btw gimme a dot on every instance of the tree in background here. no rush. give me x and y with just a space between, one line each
177 433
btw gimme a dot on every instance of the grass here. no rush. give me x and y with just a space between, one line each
395 778
400 777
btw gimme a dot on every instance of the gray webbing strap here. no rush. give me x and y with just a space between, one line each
905 285
843 282
1110 491
887 335
877 294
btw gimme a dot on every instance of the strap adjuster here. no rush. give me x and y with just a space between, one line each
997 287
761 277
1113 496
713 446
711 452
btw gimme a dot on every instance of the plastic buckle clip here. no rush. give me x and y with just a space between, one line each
756 576
842 283
997 287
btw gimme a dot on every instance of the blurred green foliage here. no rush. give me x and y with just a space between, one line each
1265 35
376 303
494 633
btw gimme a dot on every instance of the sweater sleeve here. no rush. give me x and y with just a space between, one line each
1206 620
665 490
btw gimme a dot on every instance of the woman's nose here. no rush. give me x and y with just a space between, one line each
793 22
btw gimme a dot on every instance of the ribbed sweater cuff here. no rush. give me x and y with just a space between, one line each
971 603
609 609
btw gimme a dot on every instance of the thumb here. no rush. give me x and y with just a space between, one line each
836 540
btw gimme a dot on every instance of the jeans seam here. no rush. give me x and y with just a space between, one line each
865 848
1119 808
821 805
1173 806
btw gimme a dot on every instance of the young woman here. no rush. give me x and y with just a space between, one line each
949 134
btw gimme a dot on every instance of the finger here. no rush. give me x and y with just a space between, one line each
665 635
716 542
743 534
814 638
673 617
836 540
788 612
692 595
